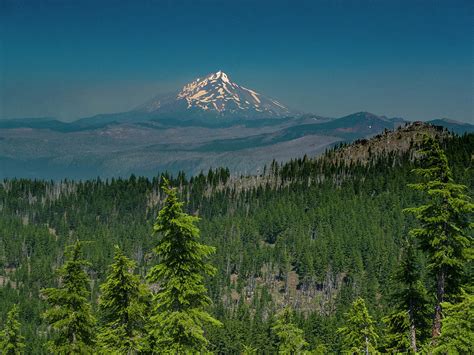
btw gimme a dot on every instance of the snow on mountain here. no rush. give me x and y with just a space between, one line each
217 95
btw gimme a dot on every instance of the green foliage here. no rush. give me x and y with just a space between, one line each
444 218
457 335
359 335
11 340
70 314
318 350
122 306
249 350
335 228
408 323
179 306
290 337
397 334
444 224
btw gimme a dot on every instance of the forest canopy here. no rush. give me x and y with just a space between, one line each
322 255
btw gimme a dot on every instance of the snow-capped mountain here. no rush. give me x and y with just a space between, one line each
216 95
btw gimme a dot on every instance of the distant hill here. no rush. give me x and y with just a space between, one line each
39 123
453 126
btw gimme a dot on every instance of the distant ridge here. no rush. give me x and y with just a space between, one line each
453 125
351 126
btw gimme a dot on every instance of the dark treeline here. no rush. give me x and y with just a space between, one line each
317 244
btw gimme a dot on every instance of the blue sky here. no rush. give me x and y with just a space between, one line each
70 59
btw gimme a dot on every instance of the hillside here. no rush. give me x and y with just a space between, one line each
396 143
311 233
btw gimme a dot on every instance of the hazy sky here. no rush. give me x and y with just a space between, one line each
74 58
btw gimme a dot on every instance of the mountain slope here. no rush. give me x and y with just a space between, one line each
216 95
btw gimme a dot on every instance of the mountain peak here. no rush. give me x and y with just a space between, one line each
216 94
220 75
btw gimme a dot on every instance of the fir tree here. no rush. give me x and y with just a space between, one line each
70 314
122 305
359 332
444 223
290 337
410 301
179 306
11 340
458 327
398 334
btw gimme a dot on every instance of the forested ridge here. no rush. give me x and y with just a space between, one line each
305 253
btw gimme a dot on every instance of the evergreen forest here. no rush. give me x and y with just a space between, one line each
335 254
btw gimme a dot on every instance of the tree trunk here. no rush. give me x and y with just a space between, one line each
412 327
413 337
366 345
441 280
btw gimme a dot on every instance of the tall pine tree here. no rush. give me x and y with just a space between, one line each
11 340
70 313
444 221
410 300
123 306
179 306
359 334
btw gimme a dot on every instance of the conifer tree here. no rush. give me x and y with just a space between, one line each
410 300
444 221
11 340
458 327
179 306
359 331
290 337
122 305
70 314
398 337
